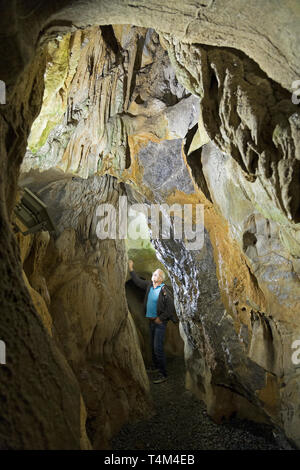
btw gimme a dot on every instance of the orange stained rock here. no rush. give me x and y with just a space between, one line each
270 396
135 172
234 276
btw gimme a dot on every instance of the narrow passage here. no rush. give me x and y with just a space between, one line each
181 423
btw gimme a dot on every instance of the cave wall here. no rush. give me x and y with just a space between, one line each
260 30
271 318
79 277
219 369
42 405
264 145
178 157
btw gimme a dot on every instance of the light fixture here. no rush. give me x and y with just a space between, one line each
32 212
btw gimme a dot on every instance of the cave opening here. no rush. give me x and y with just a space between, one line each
159 118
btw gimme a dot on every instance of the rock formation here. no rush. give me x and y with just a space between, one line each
77 276
192 105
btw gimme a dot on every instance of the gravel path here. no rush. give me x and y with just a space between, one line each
181 423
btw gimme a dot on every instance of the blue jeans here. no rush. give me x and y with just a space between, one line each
157 337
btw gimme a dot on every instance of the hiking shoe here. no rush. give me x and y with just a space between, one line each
160 379
152 369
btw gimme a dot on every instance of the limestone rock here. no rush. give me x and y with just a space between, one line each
91 324
117 102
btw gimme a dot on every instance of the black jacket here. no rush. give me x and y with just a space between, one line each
165 304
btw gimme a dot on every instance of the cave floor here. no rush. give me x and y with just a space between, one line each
181 423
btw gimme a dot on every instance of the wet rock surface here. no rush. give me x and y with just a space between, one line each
180 422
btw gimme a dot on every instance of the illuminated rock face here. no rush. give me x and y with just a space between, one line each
115 107
238 316
104 103
90 322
